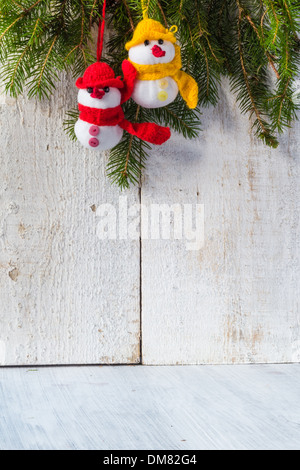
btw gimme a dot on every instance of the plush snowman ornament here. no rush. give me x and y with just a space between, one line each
101 120
157 60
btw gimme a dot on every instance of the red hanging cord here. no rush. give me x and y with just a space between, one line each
101 33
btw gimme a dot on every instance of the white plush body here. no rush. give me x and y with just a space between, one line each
108 136
96 137
153 93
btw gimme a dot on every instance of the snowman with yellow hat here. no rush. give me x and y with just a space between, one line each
157 59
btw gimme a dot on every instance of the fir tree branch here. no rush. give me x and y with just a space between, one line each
27 10
246 75
12 81
45 62
261 39
92 13
277 21
204 32
207 69
82 24
10 26
265 133
129 15
124 172
263 19
287 10
19 6
35 29
282 99
163 15
79 46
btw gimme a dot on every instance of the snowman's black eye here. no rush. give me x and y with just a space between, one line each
106 89
147 42
160 41
89 90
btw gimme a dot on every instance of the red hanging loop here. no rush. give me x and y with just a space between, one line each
101 33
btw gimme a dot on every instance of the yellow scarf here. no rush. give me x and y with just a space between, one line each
187 86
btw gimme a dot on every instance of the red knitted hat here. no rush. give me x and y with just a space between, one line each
99 75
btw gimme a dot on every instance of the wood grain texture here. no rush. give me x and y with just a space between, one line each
66 297
237 299
254 407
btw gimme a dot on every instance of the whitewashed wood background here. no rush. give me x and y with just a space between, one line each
67 297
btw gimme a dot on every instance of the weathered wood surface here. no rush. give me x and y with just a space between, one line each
65 296
248 407
237 299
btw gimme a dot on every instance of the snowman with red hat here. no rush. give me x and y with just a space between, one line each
101 119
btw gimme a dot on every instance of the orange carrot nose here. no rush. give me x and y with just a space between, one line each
97 93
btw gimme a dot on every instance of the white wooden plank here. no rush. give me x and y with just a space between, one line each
66 297
237 299
151 408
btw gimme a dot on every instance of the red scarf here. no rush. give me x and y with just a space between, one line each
101 117
147 131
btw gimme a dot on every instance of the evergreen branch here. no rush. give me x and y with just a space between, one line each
163 15
277 22
35 29
136 161
288 11
27 10
207 69
84 56
12 81
204 32
261 39
124 173
178 118
11 25
92 13
243 66
190 33
220 34
78 46
211 50
273 66
247 82
262 20
45 62
129 15
19 6
82 24
282 109
69 123
282 99
71 51
265 133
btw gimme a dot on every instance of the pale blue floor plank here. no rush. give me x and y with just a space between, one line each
151 408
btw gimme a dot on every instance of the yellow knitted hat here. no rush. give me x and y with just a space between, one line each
151 30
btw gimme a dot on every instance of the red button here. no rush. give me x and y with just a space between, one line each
94 130
94 142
